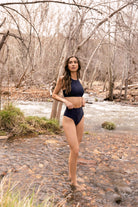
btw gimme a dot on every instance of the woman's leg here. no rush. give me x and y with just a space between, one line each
80 130
71 134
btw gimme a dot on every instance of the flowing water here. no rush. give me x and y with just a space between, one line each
125 117
107 162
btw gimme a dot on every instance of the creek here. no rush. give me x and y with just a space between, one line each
125 117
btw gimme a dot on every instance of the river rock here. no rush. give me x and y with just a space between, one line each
124 189
3 137
117 198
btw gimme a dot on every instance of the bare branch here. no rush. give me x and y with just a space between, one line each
14 19
91 57
3 22
30 37
56 2
7 53
12 35
3 39
100 23
27 21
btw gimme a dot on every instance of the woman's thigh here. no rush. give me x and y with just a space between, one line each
70 132
80 129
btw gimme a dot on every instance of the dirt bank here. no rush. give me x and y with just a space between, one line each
43 93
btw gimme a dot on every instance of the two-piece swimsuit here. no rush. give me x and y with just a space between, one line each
77 90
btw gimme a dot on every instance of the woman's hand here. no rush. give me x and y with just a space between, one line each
69 105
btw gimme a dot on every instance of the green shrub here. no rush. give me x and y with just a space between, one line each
12 120
10 117
24 129
108 125
2 133
86 132
34 121
51 125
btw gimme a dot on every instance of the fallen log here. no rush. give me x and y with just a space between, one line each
133 86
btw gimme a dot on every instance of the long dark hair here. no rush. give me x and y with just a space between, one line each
67 74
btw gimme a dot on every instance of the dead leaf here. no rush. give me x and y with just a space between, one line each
51 141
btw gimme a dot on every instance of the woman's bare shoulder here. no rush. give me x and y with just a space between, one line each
60 81
61 78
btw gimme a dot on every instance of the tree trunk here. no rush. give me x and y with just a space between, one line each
111 88
59 111
129 58
4 37
94 72
22 77
55 113
90 59
126 88
110 70
1 45
0 87
54 109
122 82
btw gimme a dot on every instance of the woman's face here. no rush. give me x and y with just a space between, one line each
73 64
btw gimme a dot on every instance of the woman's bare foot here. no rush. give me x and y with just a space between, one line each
69 178
77 187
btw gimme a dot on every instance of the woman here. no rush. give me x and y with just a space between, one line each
73 119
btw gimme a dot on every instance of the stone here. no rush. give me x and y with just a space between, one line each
117 198
125 189
3 137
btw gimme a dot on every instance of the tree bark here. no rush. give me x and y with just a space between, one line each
54 112
1 45
3 39
110 69
91 57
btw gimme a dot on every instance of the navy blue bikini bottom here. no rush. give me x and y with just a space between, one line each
76 114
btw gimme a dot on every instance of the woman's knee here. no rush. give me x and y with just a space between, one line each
75 150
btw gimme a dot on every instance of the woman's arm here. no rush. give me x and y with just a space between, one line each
83 102
56 91
83 99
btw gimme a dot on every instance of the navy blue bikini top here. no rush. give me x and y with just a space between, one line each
76 89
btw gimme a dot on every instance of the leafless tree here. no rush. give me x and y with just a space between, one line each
41 39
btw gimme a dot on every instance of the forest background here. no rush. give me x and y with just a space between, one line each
37 37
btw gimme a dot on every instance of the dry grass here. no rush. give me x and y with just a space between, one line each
9 197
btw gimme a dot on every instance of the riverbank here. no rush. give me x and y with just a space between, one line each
106 165
38 102
106 169
43 93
